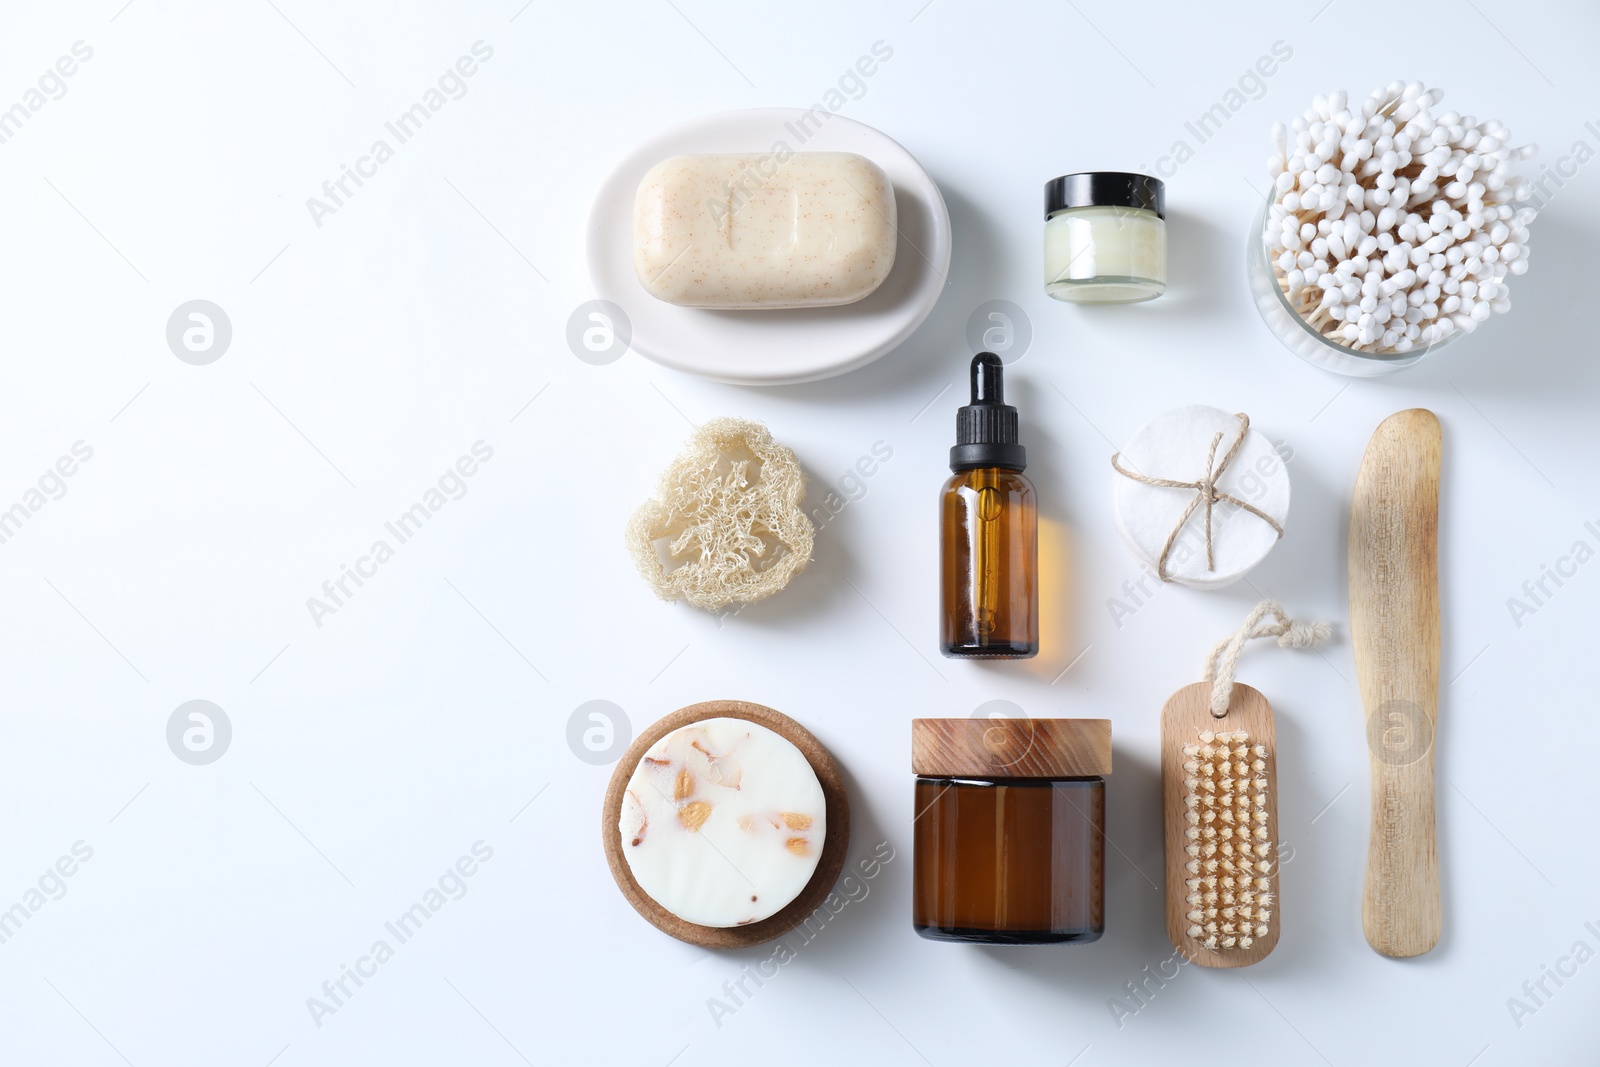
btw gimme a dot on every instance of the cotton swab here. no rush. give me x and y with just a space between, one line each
1392 227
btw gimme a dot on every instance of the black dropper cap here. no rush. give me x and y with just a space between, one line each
986 429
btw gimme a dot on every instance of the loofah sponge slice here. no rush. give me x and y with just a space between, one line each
726 525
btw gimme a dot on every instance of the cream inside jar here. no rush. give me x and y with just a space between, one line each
1105 238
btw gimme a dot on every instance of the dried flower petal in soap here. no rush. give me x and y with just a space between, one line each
693 816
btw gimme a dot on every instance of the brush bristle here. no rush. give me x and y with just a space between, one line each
1227 840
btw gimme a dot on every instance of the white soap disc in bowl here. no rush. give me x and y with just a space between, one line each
723 822
1175 447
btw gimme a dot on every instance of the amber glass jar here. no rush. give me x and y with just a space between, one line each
1008 845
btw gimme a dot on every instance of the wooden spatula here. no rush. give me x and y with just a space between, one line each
1394 628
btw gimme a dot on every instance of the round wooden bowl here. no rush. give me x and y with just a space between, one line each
834 846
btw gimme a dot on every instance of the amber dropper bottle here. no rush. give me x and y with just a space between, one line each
989 530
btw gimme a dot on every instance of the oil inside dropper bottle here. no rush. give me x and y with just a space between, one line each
989 530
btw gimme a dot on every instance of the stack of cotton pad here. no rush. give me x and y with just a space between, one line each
1175 447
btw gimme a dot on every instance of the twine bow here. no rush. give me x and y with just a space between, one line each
1223 660
1206 494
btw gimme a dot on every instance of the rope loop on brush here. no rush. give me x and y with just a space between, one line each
1267 620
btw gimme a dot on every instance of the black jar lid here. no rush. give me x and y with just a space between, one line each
1105 188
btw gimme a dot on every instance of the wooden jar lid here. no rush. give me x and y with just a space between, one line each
1011 748
836 842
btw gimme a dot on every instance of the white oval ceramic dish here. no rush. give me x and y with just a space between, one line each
774 347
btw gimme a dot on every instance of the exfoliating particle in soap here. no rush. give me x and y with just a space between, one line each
723 822
782 230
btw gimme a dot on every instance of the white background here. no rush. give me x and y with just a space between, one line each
428 713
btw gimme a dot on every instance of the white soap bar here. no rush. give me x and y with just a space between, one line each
723 822
1174 447
786 230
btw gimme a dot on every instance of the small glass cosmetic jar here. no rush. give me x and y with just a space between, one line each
1105 237
1008 846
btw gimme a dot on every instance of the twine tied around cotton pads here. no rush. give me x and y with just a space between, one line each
1206 493
1224 659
